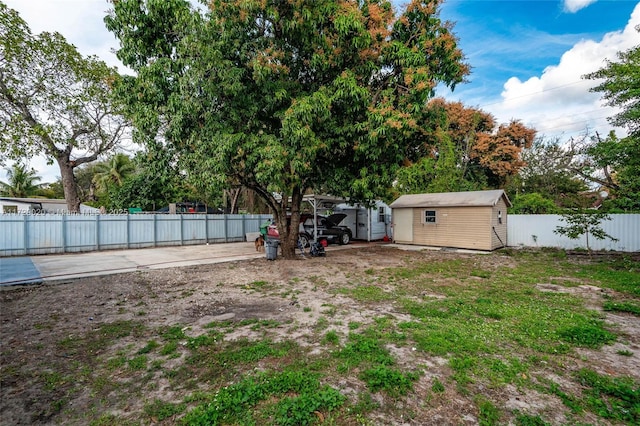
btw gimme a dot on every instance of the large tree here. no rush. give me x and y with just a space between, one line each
53 101
619 83
548 172
464 149
286 96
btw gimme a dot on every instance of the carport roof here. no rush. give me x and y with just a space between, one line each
452 199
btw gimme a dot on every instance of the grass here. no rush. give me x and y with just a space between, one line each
489 324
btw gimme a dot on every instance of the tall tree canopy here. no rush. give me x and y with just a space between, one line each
53 101
284 96
464 149
619 84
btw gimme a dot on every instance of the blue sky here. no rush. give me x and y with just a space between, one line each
527 57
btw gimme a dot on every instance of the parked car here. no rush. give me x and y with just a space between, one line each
328 227
191 208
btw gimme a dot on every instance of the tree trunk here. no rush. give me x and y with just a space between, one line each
235 195
69 184
288 225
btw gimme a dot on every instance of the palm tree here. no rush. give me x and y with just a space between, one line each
112 172
21 182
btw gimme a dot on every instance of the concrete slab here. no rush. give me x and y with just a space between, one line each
66 266
18 270
36 269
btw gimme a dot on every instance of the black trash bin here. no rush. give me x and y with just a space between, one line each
271 249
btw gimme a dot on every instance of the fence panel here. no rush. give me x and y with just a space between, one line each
23 234
538 231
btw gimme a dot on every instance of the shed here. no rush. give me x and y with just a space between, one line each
473 219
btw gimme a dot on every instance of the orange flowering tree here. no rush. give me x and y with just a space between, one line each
464 150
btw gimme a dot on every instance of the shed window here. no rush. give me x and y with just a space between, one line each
429 216
381 215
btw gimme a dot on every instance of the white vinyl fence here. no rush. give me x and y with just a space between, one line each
28 234
538 231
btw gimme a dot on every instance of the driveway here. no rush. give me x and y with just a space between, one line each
38 269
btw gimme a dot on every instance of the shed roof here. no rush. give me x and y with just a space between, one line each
452 199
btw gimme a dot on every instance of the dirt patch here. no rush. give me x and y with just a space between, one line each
41 323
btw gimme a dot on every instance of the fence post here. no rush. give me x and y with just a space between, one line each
128 233
226 228
26 234
98 232
155 230
64 233
206 228
181 230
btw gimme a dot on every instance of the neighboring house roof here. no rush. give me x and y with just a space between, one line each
48 204
452 199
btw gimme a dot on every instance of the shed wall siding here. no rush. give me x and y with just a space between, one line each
499 240
460 227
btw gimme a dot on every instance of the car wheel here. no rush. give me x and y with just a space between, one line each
345 238
303 240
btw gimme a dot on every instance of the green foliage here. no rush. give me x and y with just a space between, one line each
587 223
529 420
61 108
148 347
532 203
368 293
281 98
549 174
157 181
621 80
331 337
628 307
160 410
361 348
301 410
21 183
390 380
233 404
175 332
138 363
437 386
615 398
618 84
488 415
587 335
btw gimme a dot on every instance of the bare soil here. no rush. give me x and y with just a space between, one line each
36 321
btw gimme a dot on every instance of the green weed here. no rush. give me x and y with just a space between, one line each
616 398
587 335
488 414
331 337
138 363
529 420
160 410
627 307
150 346
394 382
437 386
298 395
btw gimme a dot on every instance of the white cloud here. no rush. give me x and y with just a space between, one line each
572 6
80 21
558 101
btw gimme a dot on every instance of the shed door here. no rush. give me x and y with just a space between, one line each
403 225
